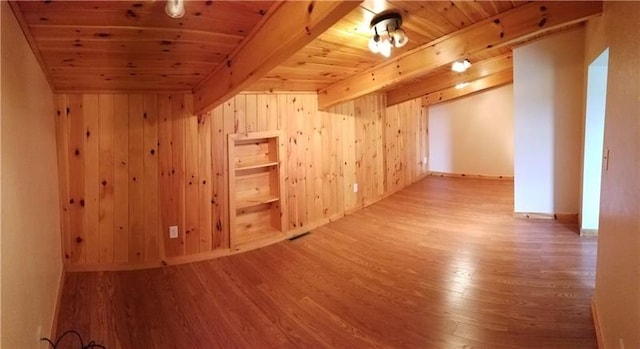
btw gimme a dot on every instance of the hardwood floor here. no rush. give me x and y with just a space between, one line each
441 264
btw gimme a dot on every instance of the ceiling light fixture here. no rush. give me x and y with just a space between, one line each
174 8
460 66
386 32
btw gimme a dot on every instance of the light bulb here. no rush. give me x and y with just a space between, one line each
174 8
400 38
374 44
385 48
460 66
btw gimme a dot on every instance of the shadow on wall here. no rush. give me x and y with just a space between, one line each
473 135
568 81
548 98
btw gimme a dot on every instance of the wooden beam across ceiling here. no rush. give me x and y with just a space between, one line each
501 78
289 27
436 82
513 25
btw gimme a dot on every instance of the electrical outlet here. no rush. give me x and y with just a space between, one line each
424 161
355 187
173 232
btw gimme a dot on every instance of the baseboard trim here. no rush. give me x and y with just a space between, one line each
465 175
596 323
561 217
166 261
534 215
567 217
72 268
56 310
588 232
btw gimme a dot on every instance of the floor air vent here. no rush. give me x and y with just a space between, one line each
299 235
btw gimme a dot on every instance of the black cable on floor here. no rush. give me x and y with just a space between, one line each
90 345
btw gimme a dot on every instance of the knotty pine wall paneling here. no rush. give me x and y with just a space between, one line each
73 115
406 144
369 111
151 196
204 185
135 180
347 111
62 148
91 177
132 165
192 187
121 179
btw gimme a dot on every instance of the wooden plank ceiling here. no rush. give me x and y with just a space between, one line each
342 51
134 46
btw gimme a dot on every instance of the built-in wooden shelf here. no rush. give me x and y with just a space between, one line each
255 188
250 166
250 237
255 201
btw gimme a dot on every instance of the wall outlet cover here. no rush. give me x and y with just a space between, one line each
173 232
355 187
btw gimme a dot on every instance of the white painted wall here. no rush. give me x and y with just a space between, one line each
473 135
617 289
30 220
548 103
593 141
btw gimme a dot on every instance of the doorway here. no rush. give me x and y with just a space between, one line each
594 143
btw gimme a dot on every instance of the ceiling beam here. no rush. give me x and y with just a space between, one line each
526 20
290 26
502 78
436 82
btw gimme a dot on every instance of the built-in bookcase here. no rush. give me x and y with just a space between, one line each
256 184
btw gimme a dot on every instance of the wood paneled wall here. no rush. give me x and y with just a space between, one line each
406 144
131 165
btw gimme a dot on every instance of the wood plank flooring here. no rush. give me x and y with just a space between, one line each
440 264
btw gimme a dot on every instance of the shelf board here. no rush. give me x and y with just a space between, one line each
256 200
249 237
249 166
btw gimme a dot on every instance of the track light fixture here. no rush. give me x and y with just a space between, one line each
174 8
386 32
460 66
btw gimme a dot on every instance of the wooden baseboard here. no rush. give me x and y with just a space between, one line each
56 310
596 323
465 175
588 232
202 256
567 217
165 261
533 215
226 252
561 217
